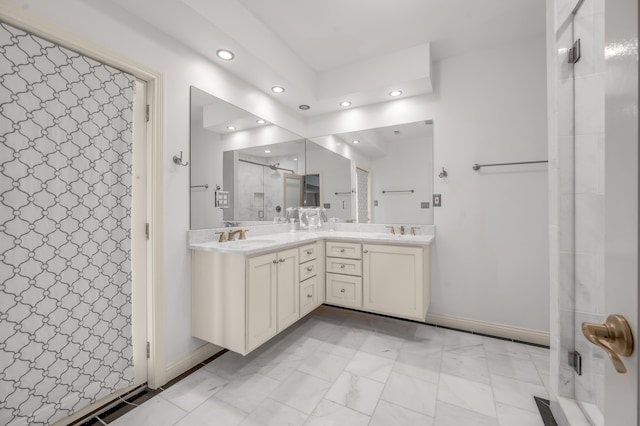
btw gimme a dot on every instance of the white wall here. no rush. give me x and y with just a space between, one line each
490 256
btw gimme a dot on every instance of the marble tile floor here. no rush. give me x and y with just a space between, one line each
340 367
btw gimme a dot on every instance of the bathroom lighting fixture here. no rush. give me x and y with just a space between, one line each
266 151
261 121
345 103
304 107
355 141
227 55
277 89
395 93
230 128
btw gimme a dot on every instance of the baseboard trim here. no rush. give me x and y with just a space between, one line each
492 329
190 360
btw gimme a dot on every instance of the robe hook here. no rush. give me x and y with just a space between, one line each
178 160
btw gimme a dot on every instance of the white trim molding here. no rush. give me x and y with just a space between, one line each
490 328
190 360
154 80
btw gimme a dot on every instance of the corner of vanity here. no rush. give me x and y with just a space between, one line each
244 294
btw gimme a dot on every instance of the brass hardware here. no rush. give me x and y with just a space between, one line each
309 296
342 290
342 266
281 260
401 230
275 261
392 230
413 230
309 252
242 232
614 337
222 238
341 250
366 251
309 268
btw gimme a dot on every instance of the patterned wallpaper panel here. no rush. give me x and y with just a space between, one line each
65 204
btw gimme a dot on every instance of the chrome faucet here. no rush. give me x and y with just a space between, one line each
401 230
393 230
242 232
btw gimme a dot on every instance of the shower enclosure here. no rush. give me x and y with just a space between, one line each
588 79
595 232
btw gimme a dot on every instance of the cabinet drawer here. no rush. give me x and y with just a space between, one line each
308 269
308 296
344 290
344 266
308 252
346 250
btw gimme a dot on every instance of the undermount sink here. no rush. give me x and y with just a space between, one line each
246 243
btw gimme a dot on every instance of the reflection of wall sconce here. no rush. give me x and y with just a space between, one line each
443 174
178 160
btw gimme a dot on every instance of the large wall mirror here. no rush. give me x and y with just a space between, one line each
384 178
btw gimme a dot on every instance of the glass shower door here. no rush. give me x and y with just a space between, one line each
589 199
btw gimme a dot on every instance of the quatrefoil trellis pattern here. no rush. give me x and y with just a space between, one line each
65 207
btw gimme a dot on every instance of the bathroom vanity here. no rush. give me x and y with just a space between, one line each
246 292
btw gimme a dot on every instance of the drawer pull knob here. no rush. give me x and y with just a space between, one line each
281 260
309 296
341 250
366 251
309 268
275 261
342 290
342 266
309 252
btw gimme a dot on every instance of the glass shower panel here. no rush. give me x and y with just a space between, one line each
589 80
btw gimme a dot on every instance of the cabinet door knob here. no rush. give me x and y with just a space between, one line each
309 268
275 261
342 266
309 252
309 296
341 250
281 260
366 251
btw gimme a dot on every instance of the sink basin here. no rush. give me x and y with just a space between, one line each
244 244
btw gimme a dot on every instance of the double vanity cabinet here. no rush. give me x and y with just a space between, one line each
241 301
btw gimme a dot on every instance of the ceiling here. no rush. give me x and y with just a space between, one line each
324 52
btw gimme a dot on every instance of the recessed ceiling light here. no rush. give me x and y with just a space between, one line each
395 93
277 89
345 103
266 151
261 121
304 107
355 141
227 55
231 128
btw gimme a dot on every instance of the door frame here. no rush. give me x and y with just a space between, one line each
154 80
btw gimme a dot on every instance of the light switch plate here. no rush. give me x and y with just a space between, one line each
222 199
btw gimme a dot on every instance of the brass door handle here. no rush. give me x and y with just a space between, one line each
614 337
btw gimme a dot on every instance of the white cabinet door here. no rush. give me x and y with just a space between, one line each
261 299
393 280
288 288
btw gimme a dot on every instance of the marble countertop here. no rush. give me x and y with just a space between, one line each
269 242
